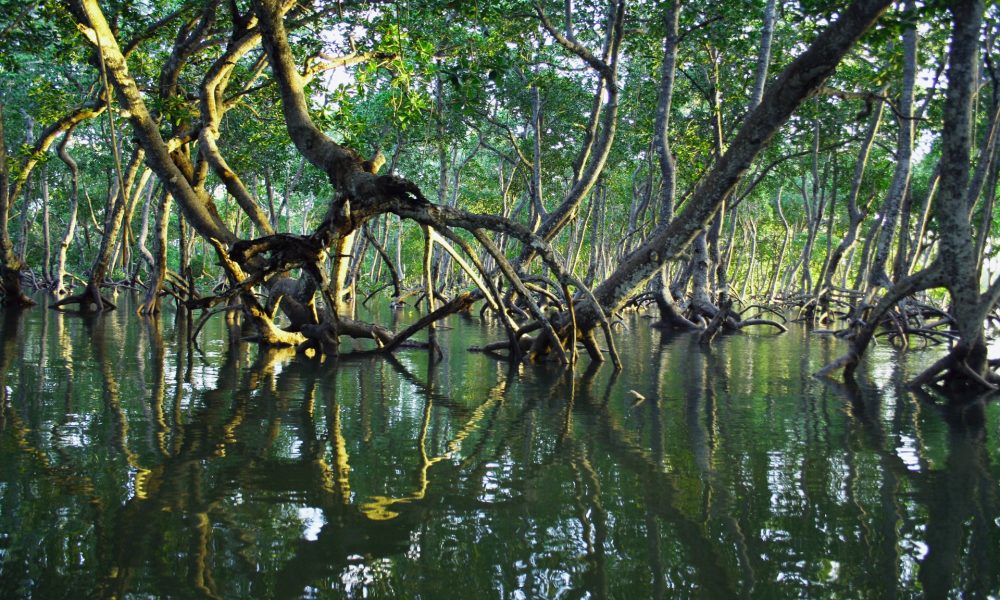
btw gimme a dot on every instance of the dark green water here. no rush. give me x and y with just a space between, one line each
133 465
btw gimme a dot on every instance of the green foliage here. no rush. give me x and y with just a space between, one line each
445 81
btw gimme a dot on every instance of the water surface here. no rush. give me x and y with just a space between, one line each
135 464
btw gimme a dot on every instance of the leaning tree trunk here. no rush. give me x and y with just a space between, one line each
127 239
175 176
986 176
22 239
764 56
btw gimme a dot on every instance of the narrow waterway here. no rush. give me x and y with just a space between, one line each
135 464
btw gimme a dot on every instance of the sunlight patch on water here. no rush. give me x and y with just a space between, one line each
908 453
831 569
883 367
786 495
312 522
73 433
413 550
364 578
494 483
774 535
912 552
204 377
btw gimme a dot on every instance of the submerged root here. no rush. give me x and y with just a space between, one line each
89 300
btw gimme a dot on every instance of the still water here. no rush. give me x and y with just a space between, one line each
134 464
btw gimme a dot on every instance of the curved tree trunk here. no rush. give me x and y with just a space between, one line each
212 105
59 288
391 266
177 176
147 256
771 291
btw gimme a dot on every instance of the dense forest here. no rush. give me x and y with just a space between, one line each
722 166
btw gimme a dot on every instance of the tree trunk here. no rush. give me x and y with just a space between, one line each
797 82
701 296
877 276
596 234
22 240
46 235
158 271
665 300
717 277
854 214
965 368
815 204
753 256
986 177
764 56
10 270
596 146
114 217
535 190
956 247
74 201
147 256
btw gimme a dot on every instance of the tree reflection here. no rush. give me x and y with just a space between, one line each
239 471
